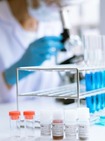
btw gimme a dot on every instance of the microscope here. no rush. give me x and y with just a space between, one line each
70 41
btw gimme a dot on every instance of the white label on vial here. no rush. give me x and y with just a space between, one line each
29 125
83 131
57 129
71 131
45 129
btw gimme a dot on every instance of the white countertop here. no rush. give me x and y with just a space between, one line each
97 133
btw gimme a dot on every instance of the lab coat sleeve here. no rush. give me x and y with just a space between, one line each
5 93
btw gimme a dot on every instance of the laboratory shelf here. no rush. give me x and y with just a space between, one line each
75 90
62 68
66 92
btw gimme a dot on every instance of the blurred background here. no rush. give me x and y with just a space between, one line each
86 18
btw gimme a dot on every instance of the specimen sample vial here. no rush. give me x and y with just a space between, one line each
15 123
71 125
22 126
83 123
58 125
45 123
29 123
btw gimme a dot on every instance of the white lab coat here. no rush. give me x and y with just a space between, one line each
13 43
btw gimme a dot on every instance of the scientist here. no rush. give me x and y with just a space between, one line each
27 39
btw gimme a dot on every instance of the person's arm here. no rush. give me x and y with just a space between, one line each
38 52
6 93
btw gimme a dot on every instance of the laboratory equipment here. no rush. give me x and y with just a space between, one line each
98 85
15 123
69 91
88 84
22 127
58 125
93 88
71 124
45 123
83 123
54 124
29 123
94 57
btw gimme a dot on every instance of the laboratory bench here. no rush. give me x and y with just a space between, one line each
46 99
97 133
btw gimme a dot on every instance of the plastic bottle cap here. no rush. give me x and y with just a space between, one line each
29 114
14 115
70 115
58 115
83 113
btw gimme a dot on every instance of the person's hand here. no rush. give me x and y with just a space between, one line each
38 51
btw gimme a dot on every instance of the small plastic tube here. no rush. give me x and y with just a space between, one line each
29 123
83 123
45 124
15 123
58 125
22 127
71 125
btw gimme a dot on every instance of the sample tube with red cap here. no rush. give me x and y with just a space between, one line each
29 123
15 123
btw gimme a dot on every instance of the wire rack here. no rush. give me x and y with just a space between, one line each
68 91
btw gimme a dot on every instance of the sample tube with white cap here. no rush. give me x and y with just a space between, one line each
83 123
71 124
45 123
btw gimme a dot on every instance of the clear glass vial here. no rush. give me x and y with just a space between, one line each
83 123
71 124
45 123
15 123
29 123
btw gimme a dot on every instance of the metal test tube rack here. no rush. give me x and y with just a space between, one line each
66 91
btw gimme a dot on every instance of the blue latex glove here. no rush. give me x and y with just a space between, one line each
38 51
